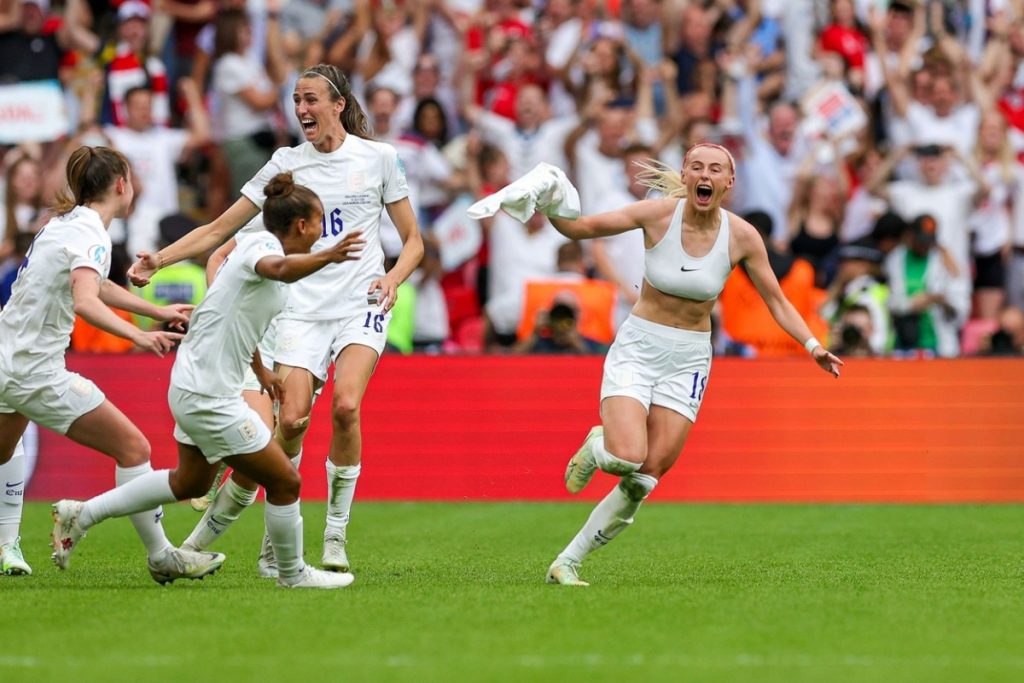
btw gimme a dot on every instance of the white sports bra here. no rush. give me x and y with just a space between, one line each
670 270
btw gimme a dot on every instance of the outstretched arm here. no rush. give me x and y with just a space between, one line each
755 256
636 215
199 241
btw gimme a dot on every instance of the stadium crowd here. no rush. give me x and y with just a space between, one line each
878 149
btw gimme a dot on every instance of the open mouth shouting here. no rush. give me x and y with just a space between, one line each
309 126
703 194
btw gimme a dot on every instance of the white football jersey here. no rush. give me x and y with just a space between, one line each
35 326
354 182
231 320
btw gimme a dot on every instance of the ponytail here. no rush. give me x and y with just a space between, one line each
662 178
286 202
90 173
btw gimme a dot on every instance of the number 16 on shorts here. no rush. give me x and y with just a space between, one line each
374 321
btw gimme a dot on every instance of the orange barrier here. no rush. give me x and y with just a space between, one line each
501 428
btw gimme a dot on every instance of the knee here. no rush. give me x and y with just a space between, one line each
285 490
292 425
345 413
135 451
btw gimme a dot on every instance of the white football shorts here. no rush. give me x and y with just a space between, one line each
314 344
54 400
658 365
219 427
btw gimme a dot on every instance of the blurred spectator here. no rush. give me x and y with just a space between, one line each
745 317
431 328
128 64
533 137
183 282
816 212
595 150
1008 340
557 331
620 258
154 151
522 252
10 266
990 223
22 205
851 335
427 86
247 99
938 194
858 283
929 305
768 163
33 43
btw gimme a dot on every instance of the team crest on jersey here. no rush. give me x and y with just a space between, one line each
99 254
356 181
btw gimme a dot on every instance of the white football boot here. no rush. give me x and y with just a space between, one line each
66 532
582 465
335 559
12 562
178 563
565 572
316 578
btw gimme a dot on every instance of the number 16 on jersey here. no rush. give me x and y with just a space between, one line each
332 225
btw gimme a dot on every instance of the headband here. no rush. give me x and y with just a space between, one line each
306 74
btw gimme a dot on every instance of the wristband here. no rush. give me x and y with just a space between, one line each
811 344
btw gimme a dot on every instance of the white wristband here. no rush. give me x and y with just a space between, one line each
811 344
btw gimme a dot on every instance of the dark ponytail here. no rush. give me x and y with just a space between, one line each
353 119
287 202
90 172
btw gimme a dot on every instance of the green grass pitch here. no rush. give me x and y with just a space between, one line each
455 592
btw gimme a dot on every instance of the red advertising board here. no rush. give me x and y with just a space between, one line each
501 428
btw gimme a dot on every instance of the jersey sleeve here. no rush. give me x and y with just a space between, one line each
88 250
256 248
253 190
396 186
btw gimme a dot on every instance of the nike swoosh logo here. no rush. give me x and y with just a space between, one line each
17 483
688 270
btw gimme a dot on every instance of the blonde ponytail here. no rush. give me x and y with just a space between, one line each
662 178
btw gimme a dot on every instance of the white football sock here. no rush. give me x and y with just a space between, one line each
611 516
296 459
284 526
231 500
611 463
12 495
140 492
341 489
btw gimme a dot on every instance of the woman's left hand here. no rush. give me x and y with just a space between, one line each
177 315
826 361
387 292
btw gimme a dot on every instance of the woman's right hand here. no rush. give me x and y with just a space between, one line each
347 249
143 269
158 341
